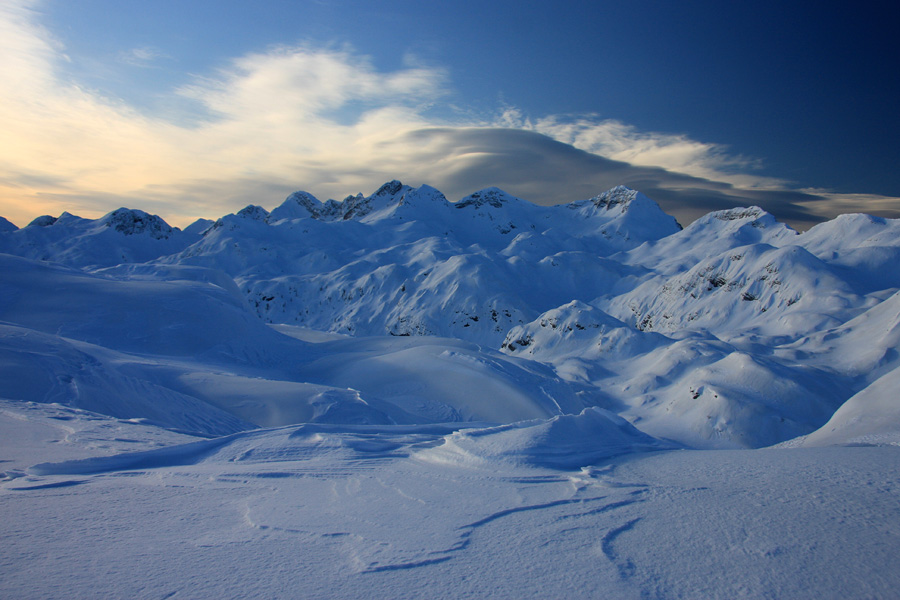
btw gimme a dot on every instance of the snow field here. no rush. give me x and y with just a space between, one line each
325 511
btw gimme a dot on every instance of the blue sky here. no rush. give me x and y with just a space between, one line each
197 108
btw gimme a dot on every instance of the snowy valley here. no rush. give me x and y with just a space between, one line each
398 395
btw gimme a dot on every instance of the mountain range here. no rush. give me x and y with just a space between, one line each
735 331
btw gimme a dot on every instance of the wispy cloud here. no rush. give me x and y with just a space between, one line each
143 56
674 152
326 120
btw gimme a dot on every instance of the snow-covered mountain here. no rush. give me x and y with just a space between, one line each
122 236
404 261
734 331
395 393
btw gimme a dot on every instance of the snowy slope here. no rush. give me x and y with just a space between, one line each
870 417
177 346
698 389
37 367
758 288
181 318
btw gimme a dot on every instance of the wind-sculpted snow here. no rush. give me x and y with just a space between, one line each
580 506
562 442
267 447
566 442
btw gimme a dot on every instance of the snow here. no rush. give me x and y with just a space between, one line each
561 442
199 226
397 395
113 345
324 511
870 417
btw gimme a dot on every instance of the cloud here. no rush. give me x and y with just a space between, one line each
305 80
326 120
143 56
674 152
545 171
270 117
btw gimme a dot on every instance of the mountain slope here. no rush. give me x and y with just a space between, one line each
177 346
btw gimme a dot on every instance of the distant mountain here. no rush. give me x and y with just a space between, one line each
733 331
405 261
122 236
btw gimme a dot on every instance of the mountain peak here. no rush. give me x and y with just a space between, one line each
617 196
388 189
298 205
42 221
6 226
736 214
734 219
492 196
199 227
129 221
423 192
388 196
253 212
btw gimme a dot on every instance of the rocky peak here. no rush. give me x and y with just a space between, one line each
491 196
253 212
736 214
388 189
617 196
132 222
42 221
298 205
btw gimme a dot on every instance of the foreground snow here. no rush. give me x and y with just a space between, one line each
332 511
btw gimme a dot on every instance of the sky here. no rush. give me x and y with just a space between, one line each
197 108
